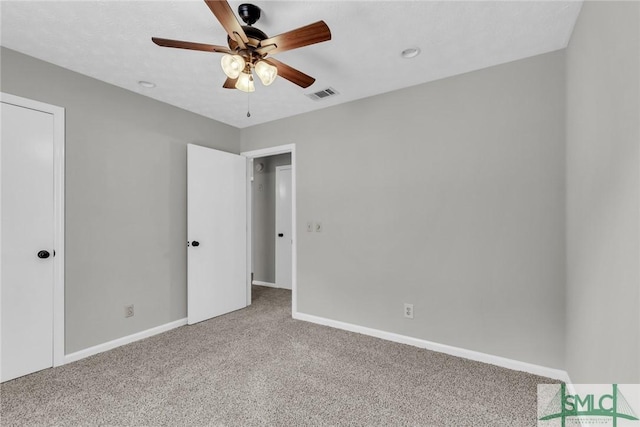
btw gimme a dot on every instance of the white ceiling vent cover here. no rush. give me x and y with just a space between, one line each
323 94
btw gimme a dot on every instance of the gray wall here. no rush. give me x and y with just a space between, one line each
448 195
603 195
125 198
264 217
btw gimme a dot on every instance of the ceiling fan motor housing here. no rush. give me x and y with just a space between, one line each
249 13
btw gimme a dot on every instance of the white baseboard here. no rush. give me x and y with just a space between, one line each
260 283
389 336
270 285
516 365
72 357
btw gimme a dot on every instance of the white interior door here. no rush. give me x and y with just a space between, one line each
284 238
27 234
217 233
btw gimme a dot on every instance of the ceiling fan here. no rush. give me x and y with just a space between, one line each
249 47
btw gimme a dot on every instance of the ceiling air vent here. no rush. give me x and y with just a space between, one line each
323 94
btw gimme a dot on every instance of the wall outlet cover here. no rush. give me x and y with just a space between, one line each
128 310
408 311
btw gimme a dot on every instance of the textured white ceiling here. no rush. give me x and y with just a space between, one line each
111 41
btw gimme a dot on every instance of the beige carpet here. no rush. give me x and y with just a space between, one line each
259 367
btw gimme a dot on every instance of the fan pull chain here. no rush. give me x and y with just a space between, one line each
248 105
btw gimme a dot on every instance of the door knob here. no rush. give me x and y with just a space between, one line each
280 235
195 243
43 254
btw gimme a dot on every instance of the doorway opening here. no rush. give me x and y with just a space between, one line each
271 240
271 221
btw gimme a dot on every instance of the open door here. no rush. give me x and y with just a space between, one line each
217 233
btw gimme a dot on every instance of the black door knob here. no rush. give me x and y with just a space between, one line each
280 235
195 243
43 254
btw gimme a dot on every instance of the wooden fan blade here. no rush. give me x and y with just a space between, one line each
190 45
304 36
291 74
224 14
265 49
230 83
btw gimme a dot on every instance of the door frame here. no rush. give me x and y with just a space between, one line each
58 114
264 152
279 170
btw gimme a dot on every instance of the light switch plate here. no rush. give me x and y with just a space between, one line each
318 227
309 227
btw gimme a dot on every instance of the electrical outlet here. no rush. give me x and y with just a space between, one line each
309 227
128 310
408 311
318 227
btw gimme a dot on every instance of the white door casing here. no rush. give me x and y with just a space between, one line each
284 240
31 288
217 220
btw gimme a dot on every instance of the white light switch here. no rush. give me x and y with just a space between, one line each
318 227
309 227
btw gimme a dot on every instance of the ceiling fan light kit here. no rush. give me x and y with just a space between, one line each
249 47
266 72
245 82
232 65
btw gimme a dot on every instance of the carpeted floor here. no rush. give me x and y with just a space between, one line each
257 366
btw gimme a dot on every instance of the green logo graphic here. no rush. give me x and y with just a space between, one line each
564 405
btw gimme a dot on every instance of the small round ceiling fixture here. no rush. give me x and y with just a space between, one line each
411 52
148 85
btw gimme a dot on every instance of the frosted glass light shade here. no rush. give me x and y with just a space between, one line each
266 72
232 65
245 83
